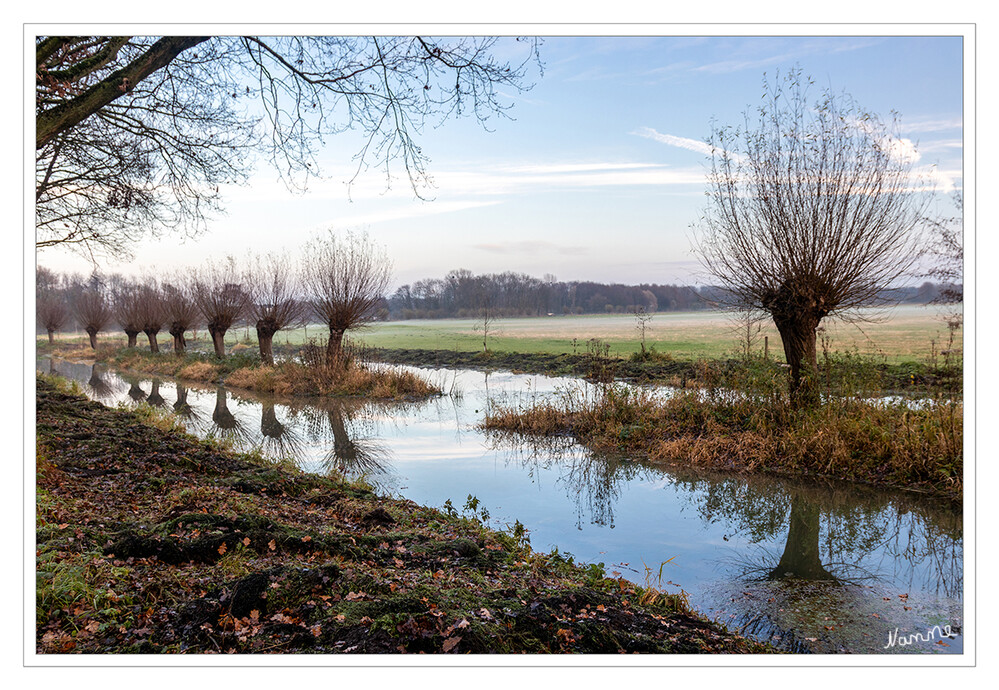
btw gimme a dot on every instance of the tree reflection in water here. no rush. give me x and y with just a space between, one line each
227 426
134 391
593 482
335 425
97 386
154 398
278 440
830 532
193 419
352 457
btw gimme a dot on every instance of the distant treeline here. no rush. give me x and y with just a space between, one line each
461 294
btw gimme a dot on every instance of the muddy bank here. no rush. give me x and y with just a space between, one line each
149 541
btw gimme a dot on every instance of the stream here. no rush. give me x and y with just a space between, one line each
821 567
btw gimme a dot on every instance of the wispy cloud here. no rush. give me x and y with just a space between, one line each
412 210
672 140
791 53
550 169
919 126
531 247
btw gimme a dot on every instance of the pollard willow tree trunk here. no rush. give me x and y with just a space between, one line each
179 343
133 337
266 329
334 346
218 339
797 319
154 346
92 332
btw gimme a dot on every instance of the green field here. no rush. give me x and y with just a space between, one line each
909 332
906 333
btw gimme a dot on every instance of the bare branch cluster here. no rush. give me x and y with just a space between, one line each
94 313
345 279
221 295
276 298
135 135
813 210
180 310
52 312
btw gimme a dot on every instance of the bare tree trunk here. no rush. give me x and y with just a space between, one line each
269 424
221 415
798 337
132 338
334 347
51 336
218 340
93 338
153 345
179 344
265 337
801 557
181 398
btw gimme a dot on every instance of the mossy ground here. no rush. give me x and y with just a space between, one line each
149 541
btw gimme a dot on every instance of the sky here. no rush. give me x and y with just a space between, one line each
600 173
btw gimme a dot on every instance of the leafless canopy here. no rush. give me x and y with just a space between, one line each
276 299
222 298
52 312
135 134
128 310
813 211
152 308
180 311
946 251
93 312
345 280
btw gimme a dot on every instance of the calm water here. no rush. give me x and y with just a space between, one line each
822 567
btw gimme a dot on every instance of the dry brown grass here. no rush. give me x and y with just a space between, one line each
889 443
264 379
354 378
199 371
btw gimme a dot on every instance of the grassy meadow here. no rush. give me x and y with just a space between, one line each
905 333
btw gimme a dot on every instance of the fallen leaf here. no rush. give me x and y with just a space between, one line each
450 643
222 549
272 545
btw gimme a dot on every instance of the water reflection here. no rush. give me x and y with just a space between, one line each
154 398
762 553
278 440
228 426
135 391
98 387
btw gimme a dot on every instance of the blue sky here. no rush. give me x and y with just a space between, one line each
600 174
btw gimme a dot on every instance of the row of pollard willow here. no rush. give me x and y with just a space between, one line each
338 280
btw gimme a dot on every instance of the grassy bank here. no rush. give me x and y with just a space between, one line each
149 541
847 374
889 443
306 375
